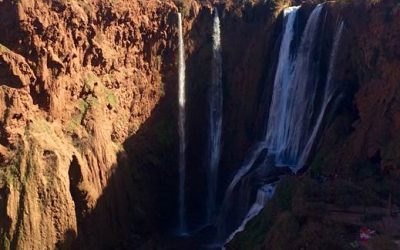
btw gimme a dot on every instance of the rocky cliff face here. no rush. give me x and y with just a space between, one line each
88 137
77 80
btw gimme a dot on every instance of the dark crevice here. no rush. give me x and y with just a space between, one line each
78 196
39 95
20 218
5 222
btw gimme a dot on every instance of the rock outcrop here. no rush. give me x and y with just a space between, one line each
77 80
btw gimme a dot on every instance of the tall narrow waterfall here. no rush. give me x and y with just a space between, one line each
215 119
291 111
181 125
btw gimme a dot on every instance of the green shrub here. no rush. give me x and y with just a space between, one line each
112 99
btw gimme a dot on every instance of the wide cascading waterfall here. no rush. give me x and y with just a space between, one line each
181 127
292 107
215 119
329 94
284 68
296 113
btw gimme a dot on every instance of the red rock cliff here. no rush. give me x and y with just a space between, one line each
77 79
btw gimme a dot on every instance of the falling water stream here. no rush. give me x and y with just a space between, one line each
284 68
215 120
263 195
182 132
292 107
329 93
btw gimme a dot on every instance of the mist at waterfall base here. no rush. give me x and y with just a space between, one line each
303 92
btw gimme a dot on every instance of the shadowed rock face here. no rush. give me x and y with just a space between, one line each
88 110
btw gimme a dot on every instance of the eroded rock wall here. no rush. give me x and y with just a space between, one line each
77 80
88 137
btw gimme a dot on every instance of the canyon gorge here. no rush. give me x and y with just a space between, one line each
199 124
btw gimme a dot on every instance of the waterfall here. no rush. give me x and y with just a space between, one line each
329 93
293 101
295 116
215 119
181 125
330 90
295 85
247 165
264 194
283 71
